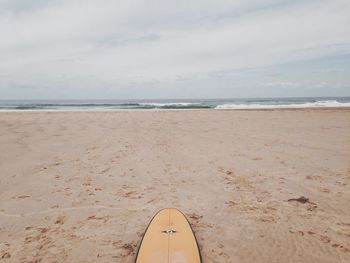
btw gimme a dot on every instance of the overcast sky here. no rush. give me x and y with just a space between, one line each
62 49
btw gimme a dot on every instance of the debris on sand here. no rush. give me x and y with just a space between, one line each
195 216
301 199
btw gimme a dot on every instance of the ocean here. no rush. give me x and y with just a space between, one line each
168 104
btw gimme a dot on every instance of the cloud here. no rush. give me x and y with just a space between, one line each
115 45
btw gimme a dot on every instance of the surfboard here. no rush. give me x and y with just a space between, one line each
169 239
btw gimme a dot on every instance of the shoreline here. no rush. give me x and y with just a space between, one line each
345 108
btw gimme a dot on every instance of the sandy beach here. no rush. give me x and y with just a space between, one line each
83 186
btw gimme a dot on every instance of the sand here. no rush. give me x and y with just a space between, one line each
82 186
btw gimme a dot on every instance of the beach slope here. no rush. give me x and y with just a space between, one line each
256 186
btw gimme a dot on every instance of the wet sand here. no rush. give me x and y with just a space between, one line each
82 186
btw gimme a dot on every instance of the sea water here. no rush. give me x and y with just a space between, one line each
234 103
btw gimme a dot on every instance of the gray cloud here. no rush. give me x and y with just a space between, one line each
157 48
20 6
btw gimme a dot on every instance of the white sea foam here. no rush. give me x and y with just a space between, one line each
317 104
168 104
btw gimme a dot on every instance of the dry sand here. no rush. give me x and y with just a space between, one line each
82 186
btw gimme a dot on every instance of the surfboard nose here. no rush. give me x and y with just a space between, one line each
169 238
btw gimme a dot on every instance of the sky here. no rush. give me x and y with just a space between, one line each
144 49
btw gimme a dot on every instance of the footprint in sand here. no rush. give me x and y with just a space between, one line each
194 216
6 255
231 203
128 248
60 220
150 201
132 195
196 221
325 190
105 170
23 196
43 229
314 177
94 217
325 239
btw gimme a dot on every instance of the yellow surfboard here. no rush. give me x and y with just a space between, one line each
169 239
